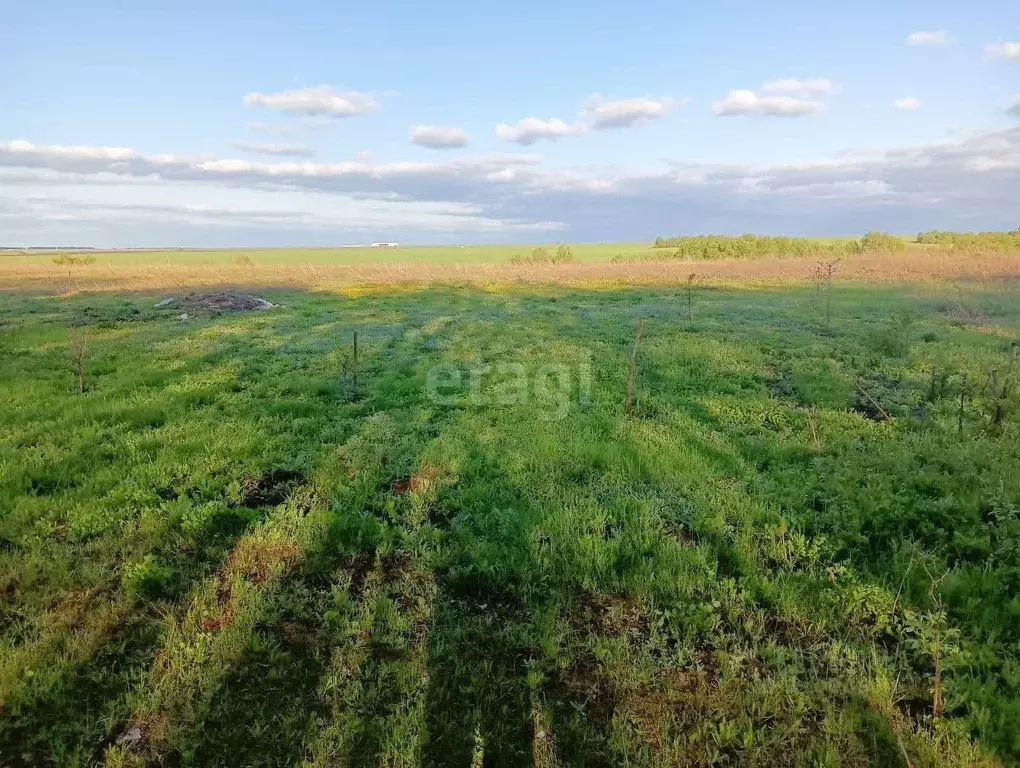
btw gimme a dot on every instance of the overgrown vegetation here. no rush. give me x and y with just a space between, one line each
748 246
802 549
972 241
70 259
707 247
541 255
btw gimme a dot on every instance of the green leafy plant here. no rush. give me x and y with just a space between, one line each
147 578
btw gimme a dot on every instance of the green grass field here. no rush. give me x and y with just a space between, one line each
236 547
442 254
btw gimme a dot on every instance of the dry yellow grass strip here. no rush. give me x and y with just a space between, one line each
47 277
396 595
201 644
62 637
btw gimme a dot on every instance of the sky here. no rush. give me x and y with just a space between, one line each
313 123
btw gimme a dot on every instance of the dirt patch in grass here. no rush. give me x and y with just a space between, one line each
962 314
415 483
298 633
214 302
608 615
682 533
271 488
359 566
780 386
223 619
132 735
583 686
256 560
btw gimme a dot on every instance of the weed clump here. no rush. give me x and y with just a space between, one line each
148 578
67 259
541 255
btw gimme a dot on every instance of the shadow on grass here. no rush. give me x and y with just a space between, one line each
73 715
484 638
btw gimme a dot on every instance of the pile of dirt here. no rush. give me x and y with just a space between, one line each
214 302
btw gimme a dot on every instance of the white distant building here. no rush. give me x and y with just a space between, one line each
385 245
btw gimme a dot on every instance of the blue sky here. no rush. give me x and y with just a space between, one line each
291 123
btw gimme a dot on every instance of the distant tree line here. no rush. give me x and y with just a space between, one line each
709 247
985 241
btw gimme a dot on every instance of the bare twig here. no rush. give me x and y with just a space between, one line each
692 281
963 396
815 445
824 272
903 749
938 703
871 400
355 364
79 355
633 364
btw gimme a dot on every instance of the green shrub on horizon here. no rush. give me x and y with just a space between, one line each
541 255
986 241
748 246
880 241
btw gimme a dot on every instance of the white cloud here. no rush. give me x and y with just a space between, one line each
360 176
966 183
320 100
438 137
813 87
531 129
741 102
161 213
907 104
937 37
1013 108
626 112
284 150
1003 50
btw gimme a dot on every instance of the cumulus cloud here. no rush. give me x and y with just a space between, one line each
937 37
437 217
404 180
622 113
284 150
813 87
742 102
968 183
438 137
531 129
1010 50
319 100
907 104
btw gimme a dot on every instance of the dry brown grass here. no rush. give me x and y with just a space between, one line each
48 277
